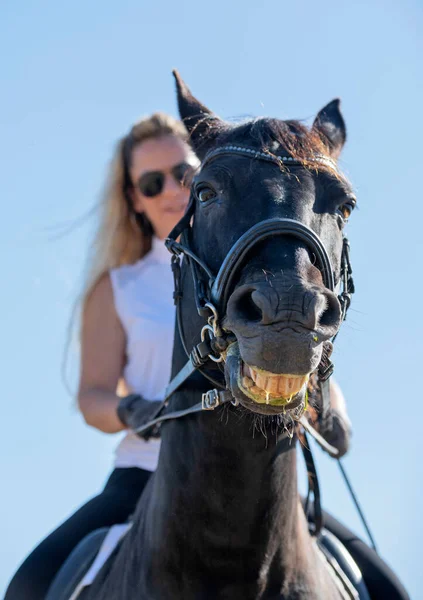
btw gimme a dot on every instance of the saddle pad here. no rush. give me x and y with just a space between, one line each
112 539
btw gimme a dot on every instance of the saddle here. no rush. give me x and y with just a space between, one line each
93 552
85 561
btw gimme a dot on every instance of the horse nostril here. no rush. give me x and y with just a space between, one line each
330 315
247 309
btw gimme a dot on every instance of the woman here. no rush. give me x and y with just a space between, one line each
127 330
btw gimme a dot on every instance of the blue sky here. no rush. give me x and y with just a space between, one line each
75 75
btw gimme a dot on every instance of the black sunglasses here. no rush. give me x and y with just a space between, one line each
151 184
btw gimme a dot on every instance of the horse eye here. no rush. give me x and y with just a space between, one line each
205 193
346 209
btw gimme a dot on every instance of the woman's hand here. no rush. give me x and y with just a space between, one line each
338 434
134 412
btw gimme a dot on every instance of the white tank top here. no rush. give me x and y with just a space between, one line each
143 297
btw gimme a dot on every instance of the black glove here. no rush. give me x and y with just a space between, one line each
134 412
337 431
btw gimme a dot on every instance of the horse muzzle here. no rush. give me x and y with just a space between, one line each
264 392
280 329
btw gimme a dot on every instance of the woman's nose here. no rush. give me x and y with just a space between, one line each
171 186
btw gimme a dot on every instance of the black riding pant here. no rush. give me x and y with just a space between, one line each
114 505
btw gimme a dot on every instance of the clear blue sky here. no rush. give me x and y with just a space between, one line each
74 76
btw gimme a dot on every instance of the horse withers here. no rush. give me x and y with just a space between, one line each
259 288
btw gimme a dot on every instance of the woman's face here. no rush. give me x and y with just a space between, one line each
156 169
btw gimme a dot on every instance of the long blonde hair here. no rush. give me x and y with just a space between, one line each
123 237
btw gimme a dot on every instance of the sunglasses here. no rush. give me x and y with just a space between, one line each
151 184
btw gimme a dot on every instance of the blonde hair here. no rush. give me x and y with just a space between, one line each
123 236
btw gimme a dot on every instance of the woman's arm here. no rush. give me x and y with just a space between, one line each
102 359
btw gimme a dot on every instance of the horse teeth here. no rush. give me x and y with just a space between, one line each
288 386
256 390
247 382
260 381
284 386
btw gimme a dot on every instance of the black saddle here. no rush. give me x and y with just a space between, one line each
76 566
344 568
79 562
380 580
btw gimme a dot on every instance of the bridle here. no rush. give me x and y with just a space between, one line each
212 291
211 297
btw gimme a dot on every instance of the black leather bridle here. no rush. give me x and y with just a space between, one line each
212 291
218 286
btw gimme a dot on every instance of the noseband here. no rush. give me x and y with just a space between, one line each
222 284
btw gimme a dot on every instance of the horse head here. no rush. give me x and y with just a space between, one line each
268 208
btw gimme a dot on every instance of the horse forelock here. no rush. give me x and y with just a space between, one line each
273 136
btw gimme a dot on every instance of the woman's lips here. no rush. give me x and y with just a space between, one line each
171 210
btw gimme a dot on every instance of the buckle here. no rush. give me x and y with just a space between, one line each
326 371
207 331
210 400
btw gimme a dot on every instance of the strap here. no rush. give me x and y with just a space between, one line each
183 224
197 358
357 505
331 450
334 453
256 153
210 401
313 483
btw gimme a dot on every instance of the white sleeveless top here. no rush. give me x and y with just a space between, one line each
143 297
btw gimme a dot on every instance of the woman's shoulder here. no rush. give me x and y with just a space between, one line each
130 271
125 274
101 294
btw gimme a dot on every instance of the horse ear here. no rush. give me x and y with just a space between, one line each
202 124
331 125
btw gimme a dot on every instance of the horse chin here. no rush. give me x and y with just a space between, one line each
264 392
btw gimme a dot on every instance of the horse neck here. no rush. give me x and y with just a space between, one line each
224 497
224 464
229 491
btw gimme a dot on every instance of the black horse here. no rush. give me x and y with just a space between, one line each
221 517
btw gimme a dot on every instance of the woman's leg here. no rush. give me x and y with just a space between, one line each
114 505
